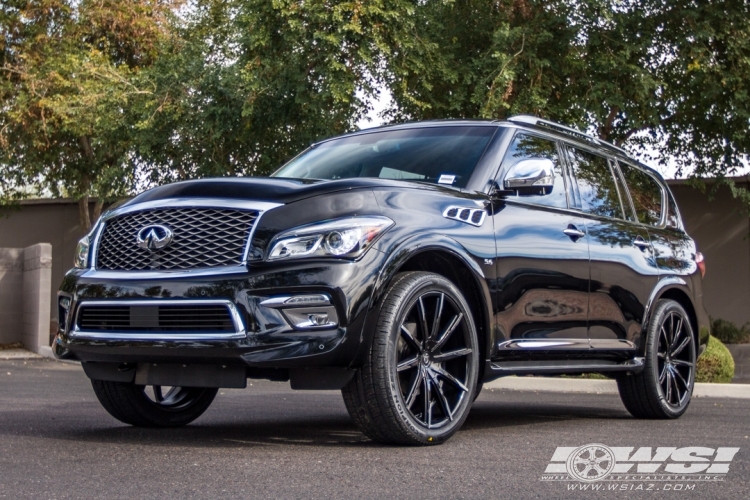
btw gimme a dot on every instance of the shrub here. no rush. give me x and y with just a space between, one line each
729 333
716 364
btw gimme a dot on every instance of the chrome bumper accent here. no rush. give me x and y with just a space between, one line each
239 333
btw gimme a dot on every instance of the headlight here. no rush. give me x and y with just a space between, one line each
347 238
81 258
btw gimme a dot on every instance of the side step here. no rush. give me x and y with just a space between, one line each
496 369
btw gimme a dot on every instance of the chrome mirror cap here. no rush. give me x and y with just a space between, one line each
534 172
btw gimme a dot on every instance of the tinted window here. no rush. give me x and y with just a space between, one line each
529 147
596 184
623 193
645 192
673 215
445 155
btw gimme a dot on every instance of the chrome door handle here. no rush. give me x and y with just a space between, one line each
574 232
641 243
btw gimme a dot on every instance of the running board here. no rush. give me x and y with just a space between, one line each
497 369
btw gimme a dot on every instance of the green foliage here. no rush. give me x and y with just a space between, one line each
251 83
68 78
104 97
716 365
729 333
670 77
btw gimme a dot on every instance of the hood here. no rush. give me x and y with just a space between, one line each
275 190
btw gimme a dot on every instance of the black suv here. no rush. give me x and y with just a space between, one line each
403 265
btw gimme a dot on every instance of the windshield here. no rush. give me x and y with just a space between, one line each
443 155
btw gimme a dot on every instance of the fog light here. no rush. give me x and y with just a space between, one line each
320 319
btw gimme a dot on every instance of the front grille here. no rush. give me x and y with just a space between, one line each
202 237
165 318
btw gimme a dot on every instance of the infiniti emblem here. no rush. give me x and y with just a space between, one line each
154 237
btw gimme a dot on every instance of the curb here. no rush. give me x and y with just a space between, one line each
584 386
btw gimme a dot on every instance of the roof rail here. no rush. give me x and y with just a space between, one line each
541 122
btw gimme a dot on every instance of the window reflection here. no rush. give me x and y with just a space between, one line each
596 184
528 147
645 192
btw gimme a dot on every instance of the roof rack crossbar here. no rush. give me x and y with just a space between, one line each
533 120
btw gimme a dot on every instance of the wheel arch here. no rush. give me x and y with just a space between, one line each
449 259
673 288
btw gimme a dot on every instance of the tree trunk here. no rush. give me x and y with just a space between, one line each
97 209
83 213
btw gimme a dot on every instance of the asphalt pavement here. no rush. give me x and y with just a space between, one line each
268 441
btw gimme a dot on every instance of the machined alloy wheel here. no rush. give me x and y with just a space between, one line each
664 388
419 381
153 406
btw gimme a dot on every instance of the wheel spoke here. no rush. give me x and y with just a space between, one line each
423 320
406 333
450 378
668 395
677 350
447 356
438 313
676 334
680 362
663 374
679 376
427 415
157 393
663 333
414 390
449 329
442 399
409 363
676 389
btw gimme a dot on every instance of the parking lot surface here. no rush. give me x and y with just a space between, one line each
268 441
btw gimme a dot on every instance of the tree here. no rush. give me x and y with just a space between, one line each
68 73
670 77
250 83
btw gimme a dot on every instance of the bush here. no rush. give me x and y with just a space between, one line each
716 364
729 333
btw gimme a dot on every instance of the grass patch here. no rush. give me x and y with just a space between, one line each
716 365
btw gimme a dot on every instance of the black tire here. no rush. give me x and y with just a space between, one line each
130 403
417 351
664 388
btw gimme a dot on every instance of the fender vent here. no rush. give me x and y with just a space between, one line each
473 216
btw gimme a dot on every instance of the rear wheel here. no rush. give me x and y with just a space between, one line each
664 388
153 406
418 382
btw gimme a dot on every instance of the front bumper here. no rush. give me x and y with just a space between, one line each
266 333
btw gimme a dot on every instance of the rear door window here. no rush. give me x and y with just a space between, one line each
645 192
596 184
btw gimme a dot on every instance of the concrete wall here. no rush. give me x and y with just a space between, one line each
11 298
51 221
25 292
721 229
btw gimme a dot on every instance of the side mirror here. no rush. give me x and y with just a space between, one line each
535 175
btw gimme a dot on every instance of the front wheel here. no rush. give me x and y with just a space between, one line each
418 382
153 406
664 388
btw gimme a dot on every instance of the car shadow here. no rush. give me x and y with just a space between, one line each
326 426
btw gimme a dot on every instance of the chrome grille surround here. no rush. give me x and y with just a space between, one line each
115 320
204 237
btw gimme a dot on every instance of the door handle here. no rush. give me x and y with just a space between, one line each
641 243
573 232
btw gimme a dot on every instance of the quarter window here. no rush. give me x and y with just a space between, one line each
596 184
645 192
529 147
